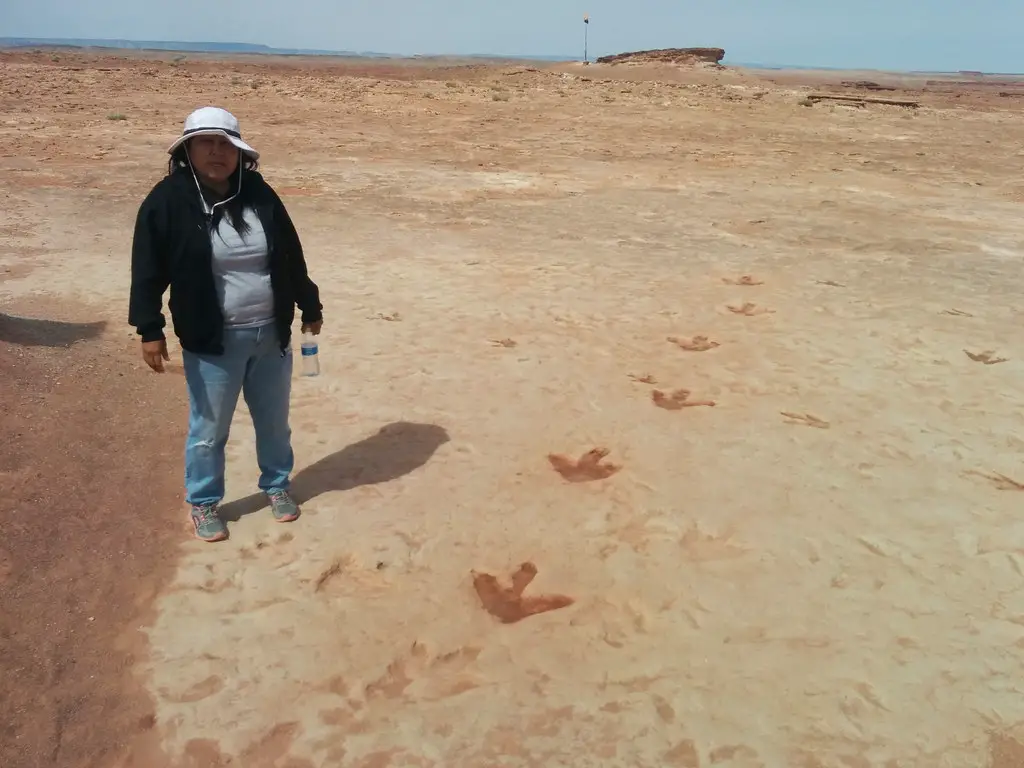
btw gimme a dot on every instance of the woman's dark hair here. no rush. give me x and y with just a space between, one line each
179 163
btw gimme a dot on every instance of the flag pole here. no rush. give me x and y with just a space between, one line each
586 36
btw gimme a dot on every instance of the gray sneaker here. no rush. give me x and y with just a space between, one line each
209 526
283 506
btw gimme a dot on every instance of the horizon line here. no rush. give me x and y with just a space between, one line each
186 46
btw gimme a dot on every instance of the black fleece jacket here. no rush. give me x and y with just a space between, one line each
172 248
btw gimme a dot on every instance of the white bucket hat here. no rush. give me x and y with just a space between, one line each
207 121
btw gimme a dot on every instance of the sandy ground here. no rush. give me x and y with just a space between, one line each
504 254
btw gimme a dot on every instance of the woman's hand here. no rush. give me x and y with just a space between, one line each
154 353
313 328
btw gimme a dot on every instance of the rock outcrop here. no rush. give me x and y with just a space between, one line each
667 56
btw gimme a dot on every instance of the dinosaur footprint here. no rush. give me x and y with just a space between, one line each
586 468
694 344
508 604
443 675
987 357
806 419
749 309
645 379
678 400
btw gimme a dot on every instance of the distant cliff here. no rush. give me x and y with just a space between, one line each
164 45
667 56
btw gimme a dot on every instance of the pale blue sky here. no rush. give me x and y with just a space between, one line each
885 34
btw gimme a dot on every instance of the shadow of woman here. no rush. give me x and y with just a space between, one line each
31 332
395 450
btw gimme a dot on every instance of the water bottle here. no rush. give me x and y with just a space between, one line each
310 360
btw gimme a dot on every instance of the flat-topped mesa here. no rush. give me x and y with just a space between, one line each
667 56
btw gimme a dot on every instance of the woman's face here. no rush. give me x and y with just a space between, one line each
213 157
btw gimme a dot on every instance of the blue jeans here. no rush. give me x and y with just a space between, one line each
252 364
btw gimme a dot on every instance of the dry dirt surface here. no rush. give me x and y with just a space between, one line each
520 544
85 491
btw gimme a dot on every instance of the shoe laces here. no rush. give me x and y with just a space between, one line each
205 513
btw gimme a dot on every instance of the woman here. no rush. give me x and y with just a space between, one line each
220 237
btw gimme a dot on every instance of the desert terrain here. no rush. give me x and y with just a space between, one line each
819 565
